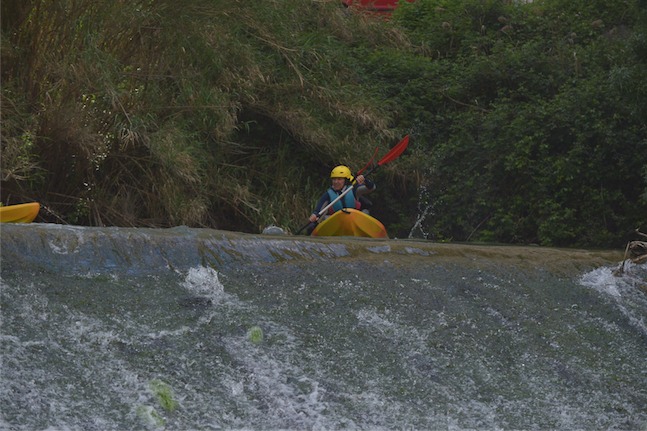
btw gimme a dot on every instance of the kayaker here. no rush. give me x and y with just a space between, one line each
341 179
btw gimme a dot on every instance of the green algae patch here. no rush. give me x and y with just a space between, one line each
164 395
255 334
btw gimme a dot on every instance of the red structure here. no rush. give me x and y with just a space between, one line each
380 6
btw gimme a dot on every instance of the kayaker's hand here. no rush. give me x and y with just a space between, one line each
360 179
313 218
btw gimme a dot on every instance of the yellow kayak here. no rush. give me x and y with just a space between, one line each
21 213
350 222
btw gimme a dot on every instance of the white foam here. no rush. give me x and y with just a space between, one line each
203 281
601 279
269 382
609 280
624 290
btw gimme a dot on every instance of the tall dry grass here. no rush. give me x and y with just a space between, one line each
203 112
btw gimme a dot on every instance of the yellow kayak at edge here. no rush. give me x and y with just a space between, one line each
350 222
21 213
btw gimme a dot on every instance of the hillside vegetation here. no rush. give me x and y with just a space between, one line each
527 121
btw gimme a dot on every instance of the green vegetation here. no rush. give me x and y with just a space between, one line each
527 120
255 334
164 395
534 118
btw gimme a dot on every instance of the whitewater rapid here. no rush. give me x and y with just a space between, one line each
114 328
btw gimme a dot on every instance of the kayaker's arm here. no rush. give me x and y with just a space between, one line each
323 201
363 186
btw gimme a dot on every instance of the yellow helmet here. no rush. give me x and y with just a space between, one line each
341 171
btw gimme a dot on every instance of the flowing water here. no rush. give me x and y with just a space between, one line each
119 329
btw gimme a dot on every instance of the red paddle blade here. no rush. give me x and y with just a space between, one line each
395 151
369 162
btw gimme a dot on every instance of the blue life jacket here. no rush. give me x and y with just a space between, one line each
348 201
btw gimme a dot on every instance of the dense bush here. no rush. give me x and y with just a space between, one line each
532 117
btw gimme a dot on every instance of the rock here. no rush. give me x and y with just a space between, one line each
273 230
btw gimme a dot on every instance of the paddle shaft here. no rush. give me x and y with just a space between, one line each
327 207
337 199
